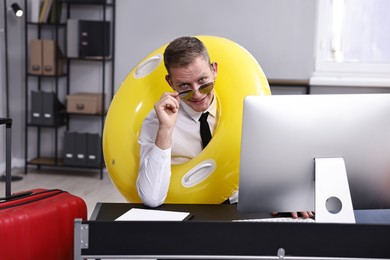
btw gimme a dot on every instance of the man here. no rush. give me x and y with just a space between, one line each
170 133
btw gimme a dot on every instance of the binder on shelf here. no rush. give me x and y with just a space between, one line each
36 57
69 148
56 12
46 58
88 39
53 62
50 109
89 1
34 7
36 107
72 38
94 150
94 39
45 109
81 149
45 10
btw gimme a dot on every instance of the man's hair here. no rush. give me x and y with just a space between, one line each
183 51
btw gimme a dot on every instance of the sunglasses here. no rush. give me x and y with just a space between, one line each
204 89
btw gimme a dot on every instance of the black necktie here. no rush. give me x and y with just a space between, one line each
205 133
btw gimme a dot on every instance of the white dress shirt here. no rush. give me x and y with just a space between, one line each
155 164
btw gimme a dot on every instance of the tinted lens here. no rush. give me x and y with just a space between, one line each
204 89
186 95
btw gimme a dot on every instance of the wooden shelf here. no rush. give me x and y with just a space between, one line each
49 161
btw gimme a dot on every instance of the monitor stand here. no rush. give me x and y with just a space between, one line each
333 203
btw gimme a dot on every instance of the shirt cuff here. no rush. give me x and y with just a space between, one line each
234 198
159 154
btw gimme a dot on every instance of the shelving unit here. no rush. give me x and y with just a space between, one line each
37 152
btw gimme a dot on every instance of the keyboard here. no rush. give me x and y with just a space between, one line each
278 220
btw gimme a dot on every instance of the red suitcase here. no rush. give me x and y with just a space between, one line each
39 224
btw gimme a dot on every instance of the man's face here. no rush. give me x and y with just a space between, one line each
191 77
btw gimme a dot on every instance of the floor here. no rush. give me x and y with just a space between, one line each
85 184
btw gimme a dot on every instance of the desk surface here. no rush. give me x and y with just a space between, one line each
211 234
200 212
222 212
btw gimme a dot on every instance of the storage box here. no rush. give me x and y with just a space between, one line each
85 103
46 58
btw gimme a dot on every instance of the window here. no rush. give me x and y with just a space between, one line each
353 43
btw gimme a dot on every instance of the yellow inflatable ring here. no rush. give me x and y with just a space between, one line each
212 176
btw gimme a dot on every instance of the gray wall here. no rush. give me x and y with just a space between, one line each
279 33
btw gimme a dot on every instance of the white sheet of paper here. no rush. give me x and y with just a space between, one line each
136 214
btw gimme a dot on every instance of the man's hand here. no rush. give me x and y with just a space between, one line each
304 214
167 110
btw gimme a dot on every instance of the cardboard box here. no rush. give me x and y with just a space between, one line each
85 103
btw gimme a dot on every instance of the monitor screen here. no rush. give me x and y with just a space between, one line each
282 135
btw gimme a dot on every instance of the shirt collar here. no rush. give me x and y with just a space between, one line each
196 115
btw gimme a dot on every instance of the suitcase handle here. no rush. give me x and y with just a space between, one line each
39 194
16 195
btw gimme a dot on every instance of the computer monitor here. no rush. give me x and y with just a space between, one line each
282 135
